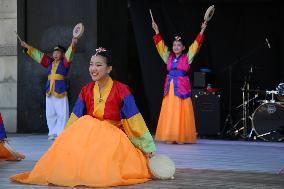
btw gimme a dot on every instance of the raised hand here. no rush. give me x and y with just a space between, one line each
155 27
24 44
203 27
74 41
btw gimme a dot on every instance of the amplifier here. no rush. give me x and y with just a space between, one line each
207 112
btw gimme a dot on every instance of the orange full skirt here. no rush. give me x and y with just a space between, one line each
89 153
8 153
176 121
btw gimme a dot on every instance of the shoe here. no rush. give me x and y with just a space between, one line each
52 137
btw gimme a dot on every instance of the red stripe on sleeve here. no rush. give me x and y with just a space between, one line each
199 38
44 61
1 120
66 63
157 38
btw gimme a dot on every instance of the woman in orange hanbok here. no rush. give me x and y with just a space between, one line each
176 122
106 142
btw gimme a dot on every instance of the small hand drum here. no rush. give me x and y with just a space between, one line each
162 167
78 30
209 13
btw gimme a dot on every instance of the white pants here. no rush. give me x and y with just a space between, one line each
57 113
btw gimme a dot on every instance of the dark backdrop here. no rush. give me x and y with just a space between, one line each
124 27
235 35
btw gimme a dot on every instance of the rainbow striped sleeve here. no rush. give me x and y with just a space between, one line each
38 56
69 56
194 47
2 129
161 47
135 126
78 111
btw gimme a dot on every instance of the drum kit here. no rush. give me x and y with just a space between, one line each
262 114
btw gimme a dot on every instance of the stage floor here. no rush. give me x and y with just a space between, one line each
207 164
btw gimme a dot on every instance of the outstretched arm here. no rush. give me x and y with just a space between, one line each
160 44
36 54
195 46
70 52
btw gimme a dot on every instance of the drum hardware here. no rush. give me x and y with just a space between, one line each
266 120
252 131
229 121
242 131
272 94
269 133
246 102
234 129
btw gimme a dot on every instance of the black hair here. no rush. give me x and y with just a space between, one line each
179 39
107 55
59 48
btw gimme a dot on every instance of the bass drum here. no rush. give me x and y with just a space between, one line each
268 121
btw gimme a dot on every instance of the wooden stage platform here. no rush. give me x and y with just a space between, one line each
207 164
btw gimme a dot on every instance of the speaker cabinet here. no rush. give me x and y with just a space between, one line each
207 112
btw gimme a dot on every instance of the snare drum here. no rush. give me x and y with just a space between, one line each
268 121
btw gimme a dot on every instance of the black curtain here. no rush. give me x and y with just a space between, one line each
112 34
235 36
